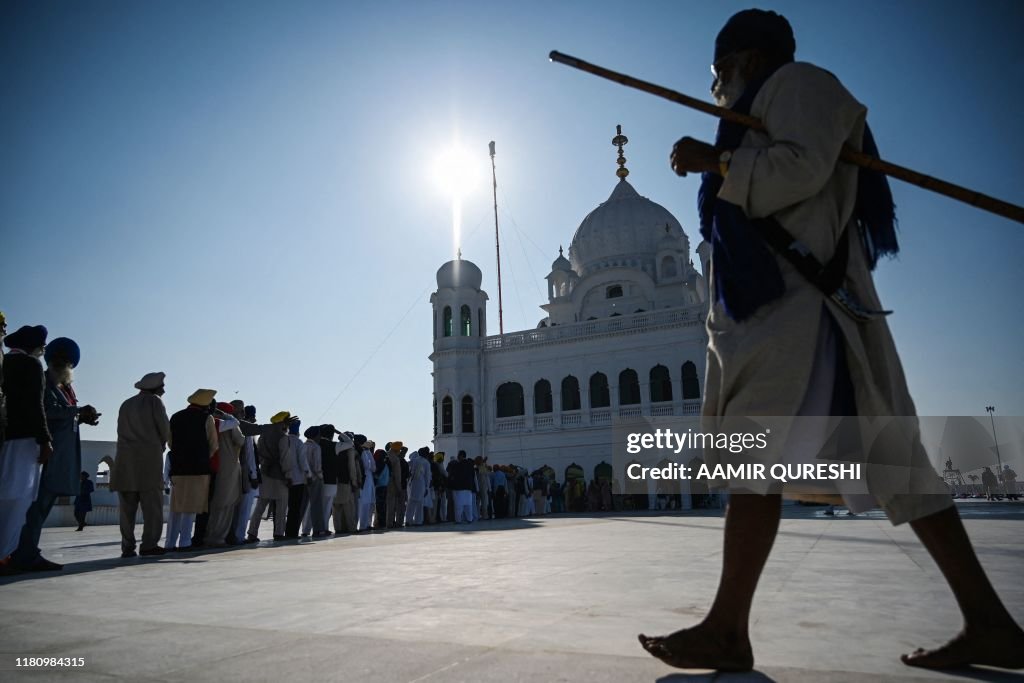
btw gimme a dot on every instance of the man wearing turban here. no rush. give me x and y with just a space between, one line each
143 430
28 441
349 479
61 473
273 453
250 473
193 444
227 485
419 481
795 328
395 496
367 490
298 472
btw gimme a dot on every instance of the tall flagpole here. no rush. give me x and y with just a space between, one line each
497 243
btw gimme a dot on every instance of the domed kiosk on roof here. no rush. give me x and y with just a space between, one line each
459 273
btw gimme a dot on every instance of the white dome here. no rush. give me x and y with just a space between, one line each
459 273
624 229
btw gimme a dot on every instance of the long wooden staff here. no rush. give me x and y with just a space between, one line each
982 201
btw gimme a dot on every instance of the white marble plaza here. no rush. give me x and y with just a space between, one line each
546 599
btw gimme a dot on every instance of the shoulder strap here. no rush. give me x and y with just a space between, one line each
827 277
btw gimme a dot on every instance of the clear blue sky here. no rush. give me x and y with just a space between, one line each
240 193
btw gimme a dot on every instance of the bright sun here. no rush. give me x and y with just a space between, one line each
457 172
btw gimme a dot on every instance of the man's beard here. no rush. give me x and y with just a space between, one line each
62 375
727 95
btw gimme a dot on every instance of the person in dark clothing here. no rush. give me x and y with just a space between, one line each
381 473
83 502
28 442
439 481
462 479
193 444
60 475
329 464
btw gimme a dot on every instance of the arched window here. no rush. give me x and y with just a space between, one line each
661 384
447 416
668 267
102 476
466 322
599 395
613 292
480 321
629 388
510 400
447 321
542 397
570 393
468 426
691 384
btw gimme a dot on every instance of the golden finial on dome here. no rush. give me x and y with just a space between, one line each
619 140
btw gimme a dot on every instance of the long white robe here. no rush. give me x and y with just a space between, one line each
419 479
367 496
763 366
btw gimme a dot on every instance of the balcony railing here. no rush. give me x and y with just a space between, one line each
629 412
510 424
571 419
627 324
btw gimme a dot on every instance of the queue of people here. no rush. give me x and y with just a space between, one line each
224 470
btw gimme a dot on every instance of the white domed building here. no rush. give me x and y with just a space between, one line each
623 338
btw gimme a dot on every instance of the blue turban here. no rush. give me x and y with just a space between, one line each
26 338
62 346
757 29
250 413
293 427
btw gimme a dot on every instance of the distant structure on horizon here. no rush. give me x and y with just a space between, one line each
623 338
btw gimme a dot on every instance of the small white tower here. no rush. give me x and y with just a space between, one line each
460 319
561 282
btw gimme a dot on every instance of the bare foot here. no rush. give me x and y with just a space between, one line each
701 647
999 647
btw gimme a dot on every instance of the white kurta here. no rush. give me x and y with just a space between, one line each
293 461
19 485
367 493
763 366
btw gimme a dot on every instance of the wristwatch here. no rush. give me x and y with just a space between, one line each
723 162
